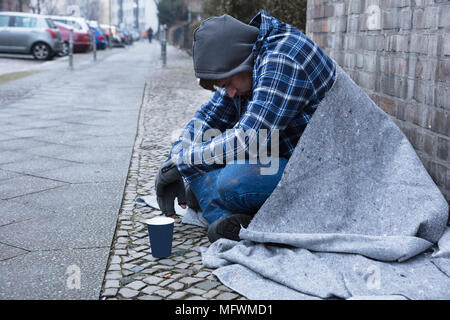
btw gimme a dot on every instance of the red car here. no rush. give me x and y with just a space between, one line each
81 40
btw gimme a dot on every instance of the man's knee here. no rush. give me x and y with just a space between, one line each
235 180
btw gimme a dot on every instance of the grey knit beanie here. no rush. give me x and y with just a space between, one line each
222 48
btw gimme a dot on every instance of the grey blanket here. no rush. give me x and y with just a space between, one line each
355 215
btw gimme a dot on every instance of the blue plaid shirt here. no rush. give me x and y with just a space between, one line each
291 75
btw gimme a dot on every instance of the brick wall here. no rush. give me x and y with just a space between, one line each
398 51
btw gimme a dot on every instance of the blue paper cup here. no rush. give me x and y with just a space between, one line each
160 231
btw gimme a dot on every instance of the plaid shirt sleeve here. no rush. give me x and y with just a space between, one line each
280 90
218 114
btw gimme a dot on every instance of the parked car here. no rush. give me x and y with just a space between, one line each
29 33
116 40
136 35
79 24
81 35
123 36
100 41
81 40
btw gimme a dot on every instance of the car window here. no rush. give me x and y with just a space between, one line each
76 25
60 20
24 22
4 21
50 23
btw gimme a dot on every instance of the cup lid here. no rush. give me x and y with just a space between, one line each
159 221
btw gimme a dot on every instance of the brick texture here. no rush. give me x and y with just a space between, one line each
398 51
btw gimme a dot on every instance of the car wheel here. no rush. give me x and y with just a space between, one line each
41 51
65 50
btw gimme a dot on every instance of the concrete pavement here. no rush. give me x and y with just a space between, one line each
172 95
65 149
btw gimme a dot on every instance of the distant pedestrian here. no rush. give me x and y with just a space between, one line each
150 34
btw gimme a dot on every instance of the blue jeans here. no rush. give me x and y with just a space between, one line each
236 188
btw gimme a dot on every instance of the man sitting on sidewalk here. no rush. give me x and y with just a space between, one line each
268 79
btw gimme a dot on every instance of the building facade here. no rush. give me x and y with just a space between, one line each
15 5
140 14
399 52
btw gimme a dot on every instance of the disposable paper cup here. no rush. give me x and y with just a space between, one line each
160 231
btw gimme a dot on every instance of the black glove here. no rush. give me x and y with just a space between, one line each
169 185
191 199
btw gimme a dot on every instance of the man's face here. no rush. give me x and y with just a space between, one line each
238 84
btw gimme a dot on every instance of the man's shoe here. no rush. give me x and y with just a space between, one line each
228 227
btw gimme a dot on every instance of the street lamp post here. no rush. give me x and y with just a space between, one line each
94 43
164 45
71 49
110 29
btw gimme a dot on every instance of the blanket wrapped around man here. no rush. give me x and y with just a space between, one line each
355 215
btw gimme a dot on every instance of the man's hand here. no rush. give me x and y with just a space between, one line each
169 185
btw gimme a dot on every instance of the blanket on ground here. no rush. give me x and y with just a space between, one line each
355 215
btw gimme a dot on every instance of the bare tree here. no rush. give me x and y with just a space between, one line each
49 7
22 5
89 9
93 12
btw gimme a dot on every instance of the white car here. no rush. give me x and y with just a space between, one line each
79 24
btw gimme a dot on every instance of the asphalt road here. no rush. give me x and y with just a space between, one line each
66 138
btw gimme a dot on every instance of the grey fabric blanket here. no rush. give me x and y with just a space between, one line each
355 215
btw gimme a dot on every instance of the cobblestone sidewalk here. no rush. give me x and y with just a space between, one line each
171 97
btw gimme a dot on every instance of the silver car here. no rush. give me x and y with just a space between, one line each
29 33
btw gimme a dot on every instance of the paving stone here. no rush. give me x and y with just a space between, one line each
137 269
114 267
141 235
202 274
113 275
140 248
128 293
197 267
110 292
166 282
112 284
176 286
196 298
193 259
168 262
127 273
190 280
126 280
115 259
149 297
163 293
207 285
182 265
177 295
150 289
121 233
178 258
227 296
136 285
211 294
224 288
153 280
137 255
128 266
191 254
196 291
